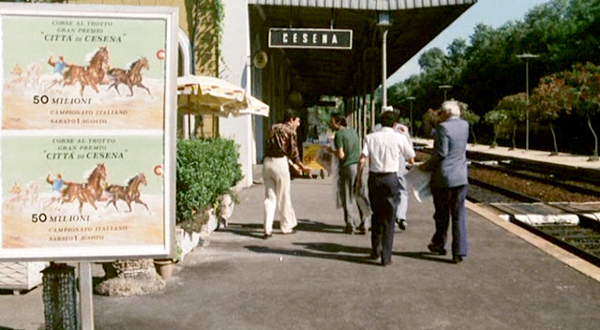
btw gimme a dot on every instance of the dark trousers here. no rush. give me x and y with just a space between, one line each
450 203
384 197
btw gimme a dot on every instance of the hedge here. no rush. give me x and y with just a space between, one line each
206 169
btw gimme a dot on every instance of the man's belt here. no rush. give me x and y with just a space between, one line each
380 174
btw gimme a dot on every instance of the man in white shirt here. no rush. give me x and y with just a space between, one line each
384 150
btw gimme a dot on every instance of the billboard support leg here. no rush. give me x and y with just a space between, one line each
86 295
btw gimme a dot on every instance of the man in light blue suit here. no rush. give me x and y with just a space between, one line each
449 181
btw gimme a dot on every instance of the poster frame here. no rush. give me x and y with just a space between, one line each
90 253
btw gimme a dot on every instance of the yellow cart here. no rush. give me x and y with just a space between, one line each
317 158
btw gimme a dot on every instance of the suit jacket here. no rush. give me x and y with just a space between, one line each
448 163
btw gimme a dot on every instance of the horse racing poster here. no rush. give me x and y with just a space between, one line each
87 134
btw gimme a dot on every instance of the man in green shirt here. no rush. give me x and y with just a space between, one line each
347 150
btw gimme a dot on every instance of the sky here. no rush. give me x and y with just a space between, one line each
491 12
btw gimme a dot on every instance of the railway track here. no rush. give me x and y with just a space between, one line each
582 239
536 197
487 193
582 184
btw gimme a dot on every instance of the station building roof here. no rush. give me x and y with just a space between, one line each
413 24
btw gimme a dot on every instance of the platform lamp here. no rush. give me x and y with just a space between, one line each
411 99
527 57
384 23
445 88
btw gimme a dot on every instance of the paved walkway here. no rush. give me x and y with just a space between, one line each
321 278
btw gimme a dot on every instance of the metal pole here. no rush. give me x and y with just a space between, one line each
411 128
384 69
527 112
526 57
411 119
372 111
445 88
186 127
363 132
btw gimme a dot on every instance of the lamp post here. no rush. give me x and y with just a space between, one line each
411 99
527 57
445 88
384 23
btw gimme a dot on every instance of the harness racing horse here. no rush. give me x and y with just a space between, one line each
16 196
18 78
129 193
131 77
92 75
88 192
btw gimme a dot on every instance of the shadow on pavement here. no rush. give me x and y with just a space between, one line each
10 292
333 250
423 256
249 230
255 230
314 226
322 250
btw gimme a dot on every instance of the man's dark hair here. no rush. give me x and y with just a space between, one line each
289 114
340 119
388 118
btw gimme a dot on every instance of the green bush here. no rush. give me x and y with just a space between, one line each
206 168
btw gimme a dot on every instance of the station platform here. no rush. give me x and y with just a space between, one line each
562 159
321 278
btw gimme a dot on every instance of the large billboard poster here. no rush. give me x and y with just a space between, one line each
87 131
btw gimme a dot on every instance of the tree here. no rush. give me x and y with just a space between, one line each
491 69
546 31
456 61
583 87
430 120
516 109
549 100
584 15
498 118
457 50
471 118
566 32
431 58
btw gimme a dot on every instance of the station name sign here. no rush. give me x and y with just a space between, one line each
310 38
